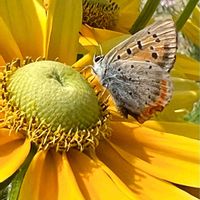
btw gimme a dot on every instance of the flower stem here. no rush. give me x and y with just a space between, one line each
186 14
145 15
18 179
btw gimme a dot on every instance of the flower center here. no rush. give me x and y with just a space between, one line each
53 105
100 13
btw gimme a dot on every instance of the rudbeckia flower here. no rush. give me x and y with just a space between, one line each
84 149
191 28
116 15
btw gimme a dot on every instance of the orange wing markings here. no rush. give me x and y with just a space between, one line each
158 105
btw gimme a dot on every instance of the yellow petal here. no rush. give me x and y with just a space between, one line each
142 184
64 22
2 61
49 176
195 16
187 66
13 151
8 46
192 31
102 35
167 156
128 13
181 84
177 128
115 178
93 181
180 104
44 3
87 43
23 22
67 182
109 44
106 39
41 13
84 61
87 37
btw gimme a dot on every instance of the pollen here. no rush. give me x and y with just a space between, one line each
100 13
53 105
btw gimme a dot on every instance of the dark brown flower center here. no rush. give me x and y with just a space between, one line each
100 13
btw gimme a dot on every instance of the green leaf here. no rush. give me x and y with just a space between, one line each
194 115
5 183
13 193
4 187
145 15
186 14
4 193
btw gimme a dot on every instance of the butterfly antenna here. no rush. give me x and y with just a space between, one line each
101 50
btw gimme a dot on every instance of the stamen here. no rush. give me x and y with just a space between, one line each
22 113
101 13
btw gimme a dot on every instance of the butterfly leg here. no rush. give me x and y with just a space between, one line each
85 68
123 111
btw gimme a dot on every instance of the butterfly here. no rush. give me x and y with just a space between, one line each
136 71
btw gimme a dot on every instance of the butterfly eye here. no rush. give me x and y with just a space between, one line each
97 58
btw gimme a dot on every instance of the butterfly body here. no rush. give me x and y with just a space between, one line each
136 72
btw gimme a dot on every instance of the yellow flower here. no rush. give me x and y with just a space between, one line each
29 32
136 162
191 28
116 15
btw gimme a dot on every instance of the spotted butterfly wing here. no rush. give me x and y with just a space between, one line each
136 71
140 90
156 43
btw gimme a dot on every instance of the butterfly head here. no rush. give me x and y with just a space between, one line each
99 66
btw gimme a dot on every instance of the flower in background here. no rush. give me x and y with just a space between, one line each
116 15
167 3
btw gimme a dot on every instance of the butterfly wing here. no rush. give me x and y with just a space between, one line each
138 88
136 71
156 43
